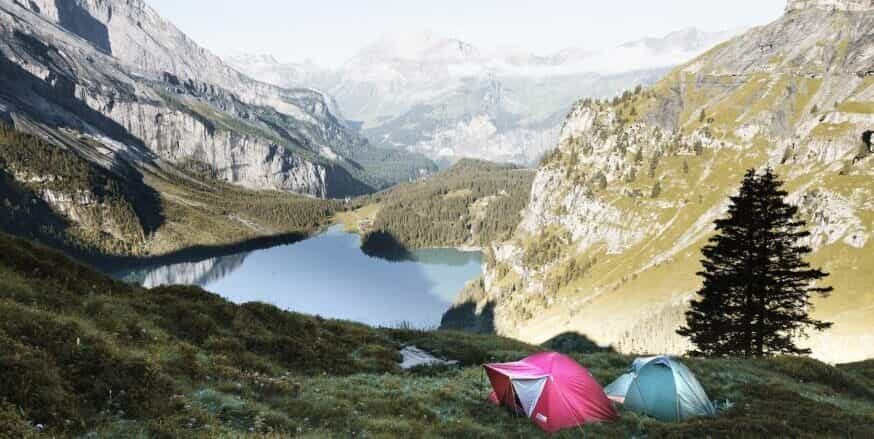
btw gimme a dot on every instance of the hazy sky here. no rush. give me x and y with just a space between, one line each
330 31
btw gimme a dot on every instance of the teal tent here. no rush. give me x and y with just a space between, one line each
661 387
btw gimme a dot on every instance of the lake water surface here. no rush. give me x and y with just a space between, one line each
329 275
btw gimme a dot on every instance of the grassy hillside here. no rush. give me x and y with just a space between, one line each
471 204
201 211
55 196
81 353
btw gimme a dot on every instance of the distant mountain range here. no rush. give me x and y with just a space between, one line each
449 99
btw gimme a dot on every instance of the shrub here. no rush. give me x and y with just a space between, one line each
12 425
808 370
32 381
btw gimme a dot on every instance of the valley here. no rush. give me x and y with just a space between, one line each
197 245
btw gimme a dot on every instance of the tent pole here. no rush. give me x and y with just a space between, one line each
482 379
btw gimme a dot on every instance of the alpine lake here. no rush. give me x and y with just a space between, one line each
328 275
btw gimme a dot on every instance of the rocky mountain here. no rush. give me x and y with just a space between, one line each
610 242
449 99
117 83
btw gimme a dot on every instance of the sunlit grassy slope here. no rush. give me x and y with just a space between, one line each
638 181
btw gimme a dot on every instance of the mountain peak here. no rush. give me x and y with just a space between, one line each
832 5
684 42
420 46
258 59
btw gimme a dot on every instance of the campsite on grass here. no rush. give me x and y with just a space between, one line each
556 392
551 389
661 387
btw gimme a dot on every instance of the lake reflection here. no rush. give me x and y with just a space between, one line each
329 275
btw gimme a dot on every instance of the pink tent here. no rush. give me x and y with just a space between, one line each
551 389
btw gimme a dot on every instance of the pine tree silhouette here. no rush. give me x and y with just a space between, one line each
757 287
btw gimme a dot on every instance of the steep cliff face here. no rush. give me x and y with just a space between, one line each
117 73
610 242
134 33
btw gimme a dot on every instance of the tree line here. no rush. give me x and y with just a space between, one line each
441 211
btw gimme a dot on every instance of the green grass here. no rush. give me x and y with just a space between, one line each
807 90
137 212
832 130
856 107
358 220
205 212
81 353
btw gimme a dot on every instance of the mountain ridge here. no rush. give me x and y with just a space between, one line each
832 5
154 161
619 212
449 99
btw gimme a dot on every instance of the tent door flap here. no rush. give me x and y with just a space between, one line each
528 391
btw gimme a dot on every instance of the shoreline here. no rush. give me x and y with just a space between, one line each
109 264
358 231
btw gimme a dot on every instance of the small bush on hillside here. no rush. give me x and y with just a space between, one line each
808 370
11 423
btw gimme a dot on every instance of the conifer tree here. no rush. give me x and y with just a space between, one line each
757 288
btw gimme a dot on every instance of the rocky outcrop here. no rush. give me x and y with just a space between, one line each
619 213
248 160
831 5
56 197
117 73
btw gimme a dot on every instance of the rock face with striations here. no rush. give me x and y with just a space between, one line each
118 82
834 5
610 242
